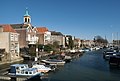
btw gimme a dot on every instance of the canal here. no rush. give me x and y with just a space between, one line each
89 67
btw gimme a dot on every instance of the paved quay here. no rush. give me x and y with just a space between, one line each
12 61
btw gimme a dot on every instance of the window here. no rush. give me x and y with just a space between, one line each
25 19
26 72
17 71
17 68
12 37
30 72
16 37
22 66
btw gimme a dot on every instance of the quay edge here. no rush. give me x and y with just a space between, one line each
12 61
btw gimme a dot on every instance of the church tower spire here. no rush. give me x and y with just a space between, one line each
27 18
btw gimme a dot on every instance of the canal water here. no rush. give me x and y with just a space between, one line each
89 67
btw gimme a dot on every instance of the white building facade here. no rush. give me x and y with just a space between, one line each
10 42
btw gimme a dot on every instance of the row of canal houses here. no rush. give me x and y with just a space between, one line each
16 36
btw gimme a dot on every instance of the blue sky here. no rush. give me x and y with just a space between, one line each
81 18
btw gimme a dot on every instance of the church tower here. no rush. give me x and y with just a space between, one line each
27 18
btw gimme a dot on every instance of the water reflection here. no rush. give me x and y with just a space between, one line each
90 67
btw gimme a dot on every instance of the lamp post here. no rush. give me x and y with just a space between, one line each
112 38
117 39
36 58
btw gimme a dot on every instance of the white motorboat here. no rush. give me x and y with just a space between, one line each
41 68
23 70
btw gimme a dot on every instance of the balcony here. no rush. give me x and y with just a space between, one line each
32 40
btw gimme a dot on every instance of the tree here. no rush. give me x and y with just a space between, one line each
48 48
71 43
32 50
99 40
56 44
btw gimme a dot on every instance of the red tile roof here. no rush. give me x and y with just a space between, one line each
42 29
8 28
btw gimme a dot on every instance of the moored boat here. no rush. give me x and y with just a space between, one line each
67 58
41 68
54 61
15 68
114 60
23 70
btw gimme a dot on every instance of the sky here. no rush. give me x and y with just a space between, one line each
83 19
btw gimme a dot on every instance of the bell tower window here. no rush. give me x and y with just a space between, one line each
25 19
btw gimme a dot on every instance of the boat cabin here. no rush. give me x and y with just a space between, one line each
28 72
23 70
17 67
